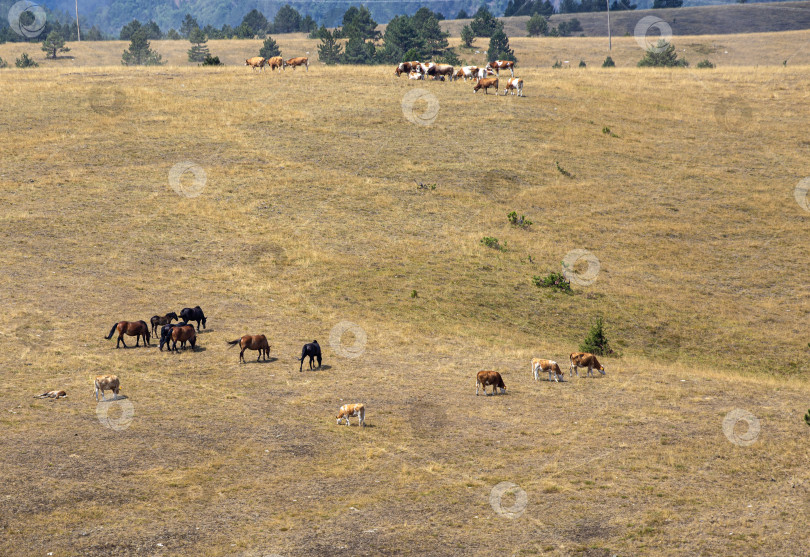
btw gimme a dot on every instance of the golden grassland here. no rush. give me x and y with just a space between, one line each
310 216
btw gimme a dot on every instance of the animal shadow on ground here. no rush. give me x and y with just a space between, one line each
269 360
120 397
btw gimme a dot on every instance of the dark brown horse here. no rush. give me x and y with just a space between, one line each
183 334
158 321
132 328
254 342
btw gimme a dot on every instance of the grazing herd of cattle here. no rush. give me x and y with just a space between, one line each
183 331
577 360
277 62
484 77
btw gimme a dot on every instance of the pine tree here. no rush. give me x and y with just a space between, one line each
499 47
596 342
25 61
329 49
188 24
269 48
537 25
139 53
484 24
662 55
467 36
199 50
54 43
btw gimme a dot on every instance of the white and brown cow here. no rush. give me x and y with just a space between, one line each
466 72
295 62
426 69
255 62
444 71
351 411
405 67
584 359
499 65
487 378
107 383
546 366
514 84
52 394
485 84
415 75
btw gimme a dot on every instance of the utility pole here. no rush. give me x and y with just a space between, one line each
610 39
78 31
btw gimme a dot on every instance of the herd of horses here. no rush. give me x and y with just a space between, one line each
183 332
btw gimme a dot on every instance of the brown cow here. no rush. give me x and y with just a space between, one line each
275 62
295 62
52 394
131 328
486 378
548 366
486 83
107 383
499 65
514 84
254 342
255 62
465 72
584 359
350 411
183 333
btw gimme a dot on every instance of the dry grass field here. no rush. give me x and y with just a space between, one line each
306 216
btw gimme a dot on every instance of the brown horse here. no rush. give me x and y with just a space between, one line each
183 333
254 342
158 321
132 328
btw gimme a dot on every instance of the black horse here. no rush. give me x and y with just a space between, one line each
157 321
166 334
313 350
196 314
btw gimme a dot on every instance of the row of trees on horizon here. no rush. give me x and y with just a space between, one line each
286 19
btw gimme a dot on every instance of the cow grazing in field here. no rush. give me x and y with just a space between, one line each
487 378
514 84
107 383
194 314
483 72
426 69
252 342
499 65
416 75
584 359
351 411
313 350
546 366
443 70
486 83
275 62
295 62
158 321
255 62
52 394
466 72
136 329
405 67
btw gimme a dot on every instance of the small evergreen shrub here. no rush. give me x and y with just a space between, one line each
596 342
705 64
608 63
555 281
493 243
522 222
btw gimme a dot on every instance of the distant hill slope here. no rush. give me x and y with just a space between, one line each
699 20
